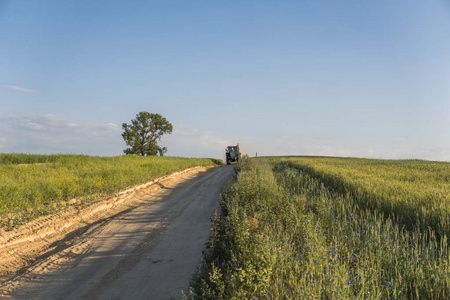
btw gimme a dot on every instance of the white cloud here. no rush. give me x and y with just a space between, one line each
3 142
431 152
33 126
18 88
295 145
191 142
54 134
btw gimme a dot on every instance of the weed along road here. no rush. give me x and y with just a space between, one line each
148 251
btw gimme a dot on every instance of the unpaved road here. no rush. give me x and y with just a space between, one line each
149 251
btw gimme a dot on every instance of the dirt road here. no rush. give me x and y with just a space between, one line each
146 252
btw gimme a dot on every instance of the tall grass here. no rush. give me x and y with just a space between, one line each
414 192
284 234
35 185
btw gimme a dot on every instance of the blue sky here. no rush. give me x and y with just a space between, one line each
341 78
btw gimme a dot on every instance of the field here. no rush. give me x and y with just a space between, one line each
330 228
36 185
414 192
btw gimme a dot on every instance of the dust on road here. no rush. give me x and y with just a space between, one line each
147 251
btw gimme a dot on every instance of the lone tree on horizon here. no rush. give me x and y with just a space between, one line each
144 132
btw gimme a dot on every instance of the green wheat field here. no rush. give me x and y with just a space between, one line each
330 228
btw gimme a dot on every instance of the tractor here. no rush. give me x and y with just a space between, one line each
232 153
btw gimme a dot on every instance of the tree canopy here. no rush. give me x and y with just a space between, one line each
144 132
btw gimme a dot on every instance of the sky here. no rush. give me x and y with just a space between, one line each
335 78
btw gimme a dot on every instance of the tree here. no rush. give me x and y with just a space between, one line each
144 132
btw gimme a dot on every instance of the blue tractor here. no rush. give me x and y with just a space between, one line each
233 154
